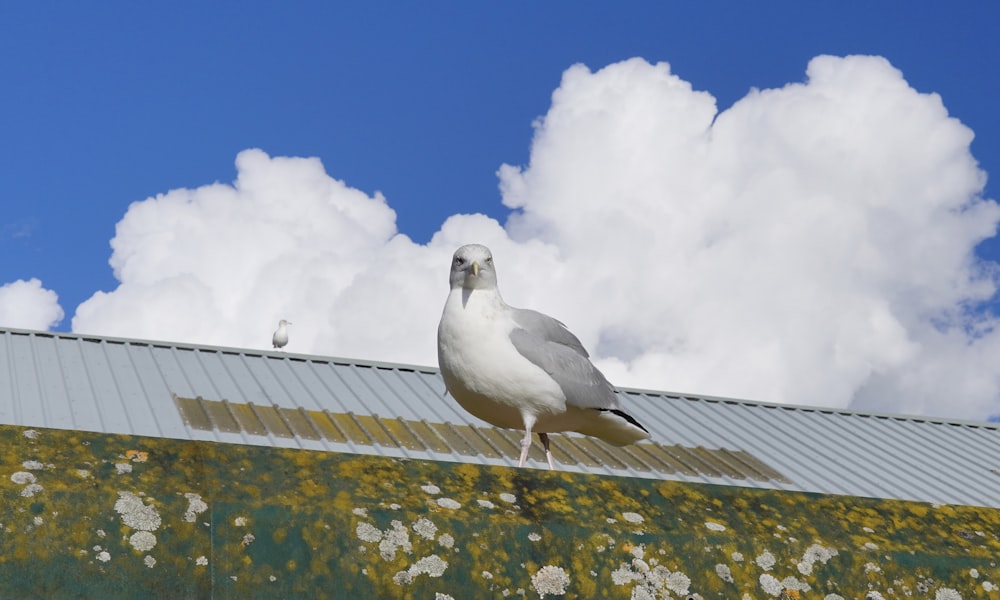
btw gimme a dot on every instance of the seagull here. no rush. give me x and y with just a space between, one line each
520 369
280 337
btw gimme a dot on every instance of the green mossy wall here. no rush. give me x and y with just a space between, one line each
80 512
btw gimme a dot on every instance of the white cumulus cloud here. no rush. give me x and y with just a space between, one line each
28 305
812 244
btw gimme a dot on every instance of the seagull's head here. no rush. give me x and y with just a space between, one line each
472 268
284 323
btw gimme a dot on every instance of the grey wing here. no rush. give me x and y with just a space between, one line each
567 363
547 328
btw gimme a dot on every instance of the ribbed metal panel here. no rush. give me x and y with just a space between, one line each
111 385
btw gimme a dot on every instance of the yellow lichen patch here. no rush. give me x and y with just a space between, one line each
241 521
137 455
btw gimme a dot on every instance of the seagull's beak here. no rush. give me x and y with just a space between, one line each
475 268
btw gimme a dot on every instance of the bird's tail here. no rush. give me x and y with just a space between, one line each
615 426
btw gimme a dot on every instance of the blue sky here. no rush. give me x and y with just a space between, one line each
107 104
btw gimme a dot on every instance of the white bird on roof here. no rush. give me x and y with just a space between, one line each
521 369
280 337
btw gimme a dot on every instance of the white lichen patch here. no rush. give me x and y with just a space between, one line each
123 468
813 554
103 556
367 532
989 587
431 489
873 596
359 512
765 560
432 566
32 465
446 540
974 573
240 521
83 473
448 503
737 557
143 541
650 579
793 584
397 536
38 520
947 594
713 526
201 561
833 597
195 507
632 517
149 561
534 537
425 528
31 489
440 596
770 584
508 498
23 478
135 514
248 539
551 580
485 504
724 572
871 567
31 434
486 575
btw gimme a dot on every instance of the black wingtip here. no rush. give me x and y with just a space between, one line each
624 415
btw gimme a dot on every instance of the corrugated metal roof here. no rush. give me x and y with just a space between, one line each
112 385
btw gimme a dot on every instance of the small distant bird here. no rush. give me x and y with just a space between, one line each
280 337
520 369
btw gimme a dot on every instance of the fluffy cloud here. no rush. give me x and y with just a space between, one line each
812 244
221 264
28 305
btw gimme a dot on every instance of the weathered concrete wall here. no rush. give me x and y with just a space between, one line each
92 515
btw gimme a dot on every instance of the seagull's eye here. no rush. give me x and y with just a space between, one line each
489 259
459 260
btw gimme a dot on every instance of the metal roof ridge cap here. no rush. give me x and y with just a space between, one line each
808 408
433 370
220 349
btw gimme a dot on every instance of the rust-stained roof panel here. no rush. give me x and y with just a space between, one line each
185 391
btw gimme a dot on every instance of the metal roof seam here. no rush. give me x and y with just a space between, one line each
44 399
90 383
392 436
350 443
887 452
145 390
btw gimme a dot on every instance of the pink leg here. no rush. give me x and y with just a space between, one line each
525 447
529 422
548 453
